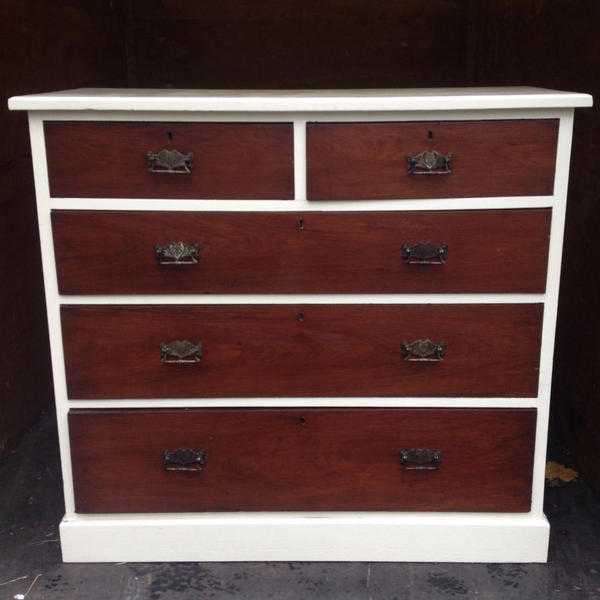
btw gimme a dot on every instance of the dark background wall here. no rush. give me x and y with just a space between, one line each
300 43
556 43
46 45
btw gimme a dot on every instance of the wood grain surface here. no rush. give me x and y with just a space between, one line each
301 350
105 252
489 158
294 459
231 160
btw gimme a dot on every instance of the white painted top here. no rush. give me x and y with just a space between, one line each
129 99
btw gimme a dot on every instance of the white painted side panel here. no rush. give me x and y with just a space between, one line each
292 537
38 153
561 183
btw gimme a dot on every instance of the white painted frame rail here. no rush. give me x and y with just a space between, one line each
377 536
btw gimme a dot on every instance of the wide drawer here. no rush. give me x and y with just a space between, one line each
212 160
293 459
487 158
301 350
105 252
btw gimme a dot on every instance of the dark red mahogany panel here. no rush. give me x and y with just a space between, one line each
230 160
294 459
112 252
489 158
114 351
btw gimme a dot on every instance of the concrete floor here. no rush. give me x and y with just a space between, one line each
31 568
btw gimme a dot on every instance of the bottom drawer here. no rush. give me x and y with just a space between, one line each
302 460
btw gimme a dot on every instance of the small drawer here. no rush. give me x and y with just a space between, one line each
204 351
105 252
170 160
450 159
302 460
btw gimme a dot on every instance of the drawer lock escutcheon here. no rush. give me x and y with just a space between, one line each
425 253
180 352
420 459
423 351
429 162
184 459
170 161
177 253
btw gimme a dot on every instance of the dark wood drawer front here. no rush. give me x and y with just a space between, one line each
230 160
301 350
488 158
487 251
293 459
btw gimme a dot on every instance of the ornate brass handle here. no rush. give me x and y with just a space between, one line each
177 253
423 351
429 162
180 352
425 253
184 459
170 161
420 459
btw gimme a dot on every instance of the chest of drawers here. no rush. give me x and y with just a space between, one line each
302 325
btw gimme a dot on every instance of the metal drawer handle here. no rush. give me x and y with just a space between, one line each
420 459
180 352
429 162
423 351
170 161
177 253
425 253
184 459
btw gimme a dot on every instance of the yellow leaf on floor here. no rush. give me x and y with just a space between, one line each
558 475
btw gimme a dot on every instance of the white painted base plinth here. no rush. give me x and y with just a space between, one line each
415 537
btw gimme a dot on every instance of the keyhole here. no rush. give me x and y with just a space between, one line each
170 135
430 135
300 225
